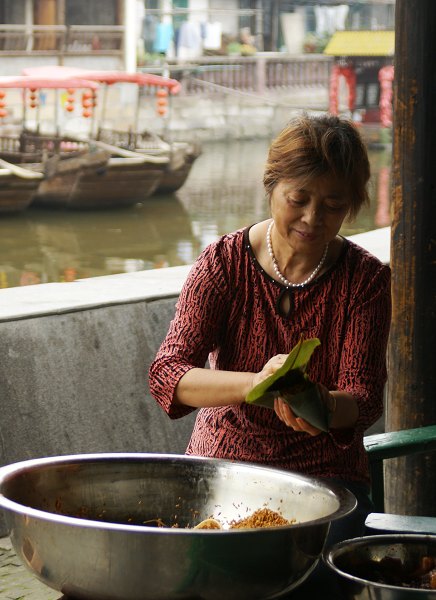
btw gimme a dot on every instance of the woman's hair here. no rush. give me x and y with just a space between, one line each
309 147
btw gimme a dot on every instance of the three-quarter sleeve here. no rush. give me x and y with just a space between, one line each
194 332
362 370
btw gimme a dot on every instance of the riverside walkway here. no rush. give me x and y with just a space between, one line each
16 582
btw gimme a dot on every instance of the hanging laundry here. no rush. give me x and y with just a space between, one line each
164 36
330 19
189 40
149 26
212 36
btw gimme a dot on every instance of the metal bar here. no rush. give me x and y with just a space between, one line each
400 443
393 445
241 12
377 485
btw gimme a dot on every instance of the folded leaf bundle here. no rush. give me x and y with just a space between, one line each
291 383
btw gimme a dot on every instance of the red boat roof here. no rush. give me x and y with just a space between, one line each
108 77
35 82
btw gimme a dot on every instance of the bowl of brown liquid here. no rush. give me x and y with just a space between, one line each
385 567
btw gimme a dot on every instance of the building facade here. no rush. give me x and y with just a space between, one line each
63 31
123 33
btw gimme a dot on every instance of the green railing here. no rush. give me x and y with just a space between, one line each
392 445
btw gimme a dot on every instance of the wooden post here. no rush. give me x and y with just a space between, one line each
46 15
410 483
260 75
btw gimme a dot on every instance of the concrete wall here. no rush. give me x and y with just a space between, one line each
74 362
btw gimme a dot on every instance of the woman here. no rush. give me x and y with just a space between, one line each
252 294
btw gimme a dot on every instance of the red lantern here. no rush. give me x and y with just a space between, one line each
383 216
33 98
70 274
86 114
2 104
2 94
386 76
3 113
69 108
29 278
350 77
87 99
162 101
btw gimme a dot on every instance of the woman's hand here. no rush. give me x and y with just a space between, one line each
282 409
269 368
285 414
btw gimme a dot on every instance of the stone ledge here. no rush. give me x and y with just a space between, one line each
57 298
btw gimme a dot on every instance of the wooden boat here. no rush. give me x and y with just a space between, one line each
125 179
78 172
181 154
57 160
52 156
17 187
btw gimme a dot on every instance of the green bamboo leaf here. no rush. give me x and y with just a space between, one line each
291 383
292 370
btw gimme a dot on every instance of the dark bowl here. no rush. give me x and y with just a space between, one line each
383 567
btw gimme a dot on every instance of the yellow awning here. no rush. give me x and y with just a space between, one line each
361 43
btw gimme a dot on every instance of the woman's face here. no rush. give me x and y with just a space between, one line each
309 214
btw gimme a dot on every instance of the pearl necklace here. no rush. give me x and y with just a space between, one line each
282 278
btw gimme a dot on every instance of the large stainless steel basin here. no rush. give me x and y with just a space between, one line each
78 523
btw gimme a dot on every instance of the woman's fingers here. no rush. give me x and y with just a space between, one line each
308 428
275 362
269 368
285 414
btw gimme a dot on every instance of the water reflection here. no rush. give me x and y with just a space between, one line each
224 192
41 246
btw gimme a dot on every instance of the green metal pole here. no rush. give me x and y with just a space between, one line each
410 482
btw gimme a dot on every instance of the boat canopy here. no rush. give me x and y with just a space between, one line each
35 82
107 77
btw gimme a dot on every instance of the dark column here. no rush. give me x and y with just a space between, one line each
411 482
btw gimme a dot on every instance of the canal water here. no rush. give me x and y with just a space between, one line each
224 192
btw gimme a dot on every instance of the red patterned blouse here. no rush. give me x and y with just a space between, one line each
228 313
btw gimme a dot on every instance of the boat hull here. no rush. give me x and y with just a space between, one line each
16 193
121 182
61 175
181 155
